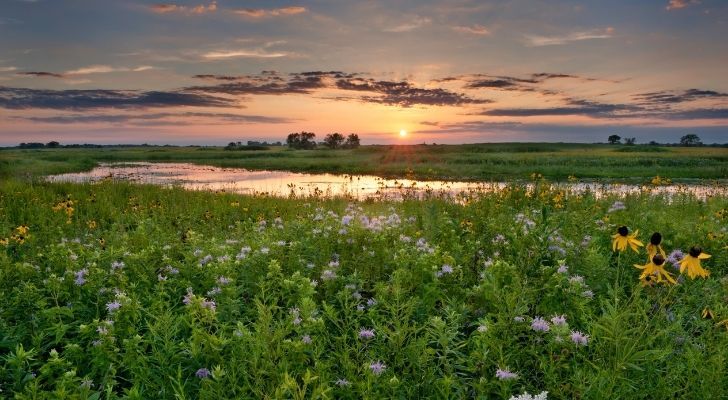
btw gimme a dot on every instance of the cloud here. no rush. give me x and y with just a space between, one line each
473 29
23 98
157 118
674 97
573 107
414 23
395 93
481 81
41 74
273 12
678 4
243 53
404 94
537 41
8 69
166 8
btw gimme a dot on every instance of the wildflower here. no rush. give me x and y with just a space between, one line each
526 396
563 268
366 333
655 270
558 320
505 374
617 206
209 304
691 262
203 373
622 239
586 240
306 339
328 275
518 319
342 382
654 246
81 277
113 306
707 313
482 328
117 265
377 368
372 302
675 257
579 338
588 294
540 325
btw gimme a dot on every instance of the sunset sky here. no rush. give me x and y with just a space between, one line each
206 72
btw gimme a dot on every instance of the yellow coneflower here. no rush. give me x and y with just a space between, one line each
691 262
655 246
655 269
707 313
622 239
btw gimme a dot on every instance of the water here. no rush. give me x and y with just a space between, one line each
284 183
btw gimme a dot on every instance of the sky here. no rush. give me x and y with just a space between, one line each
450 71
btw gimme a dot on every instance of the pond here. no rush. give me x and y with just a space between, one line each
284 183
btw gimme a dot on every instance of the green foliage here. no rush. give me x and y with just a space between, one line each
199 295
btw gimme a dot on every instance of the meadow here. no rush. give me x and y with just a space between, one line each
494 161
116 290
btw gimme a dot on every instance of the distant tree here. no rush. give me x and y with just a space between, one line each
352 141
231 146
653 143
53 144
630 141
614 139
303 140
334 140
690 140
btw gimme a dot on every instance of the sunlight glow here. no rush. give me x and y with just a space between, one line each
402 133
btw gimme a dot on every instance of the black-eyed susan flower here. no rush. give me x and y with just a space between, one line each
707 313
655 246
654 271
691 263
623 238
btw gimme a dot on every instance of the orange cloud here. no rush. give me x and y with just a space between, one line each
170 8
274 12
474 29
678 4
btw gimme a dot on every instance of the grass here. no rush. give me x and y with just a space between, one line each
501 162
113 299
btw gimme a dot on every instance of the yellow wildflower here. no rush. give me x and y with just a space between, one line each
622 239
655 270
691 262
655 246
707 313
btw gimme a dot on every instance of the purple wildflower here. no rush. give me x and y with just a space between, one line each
342 382
675 257
209 304
505 374
366 333
579 338
306 339
113 306
81 277
540 325
203 373
518 319
377 368
617 206
328 275
558 320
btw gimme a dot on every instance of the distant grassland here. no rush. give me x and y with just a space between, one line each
502 161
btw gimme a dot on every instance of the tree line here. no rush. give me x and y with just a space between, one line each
688 140
306 141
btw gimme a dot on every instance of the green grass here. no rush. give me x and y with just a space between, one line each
501 162
439 336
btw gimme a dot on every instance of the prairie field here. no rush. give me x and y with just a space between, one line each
491 161
115 290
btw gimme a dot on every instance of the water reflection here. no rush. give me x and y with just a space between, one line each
284 184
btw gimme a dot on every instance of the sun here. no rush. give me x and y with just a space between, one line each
402 133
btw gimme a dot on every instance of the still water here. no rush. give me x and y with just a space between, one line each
284 183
